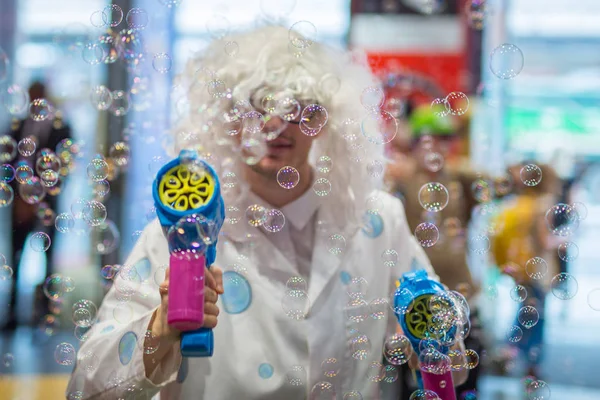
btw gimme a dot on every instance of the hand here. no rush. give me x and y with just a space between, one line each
213 288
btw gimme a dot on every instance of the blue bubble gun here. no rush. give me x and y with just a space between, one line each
190 209
412 308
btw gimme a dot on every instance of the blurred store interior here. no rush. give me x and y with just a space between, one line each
546 112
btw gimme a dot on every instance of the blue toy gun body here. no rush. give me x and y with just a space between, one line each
190 209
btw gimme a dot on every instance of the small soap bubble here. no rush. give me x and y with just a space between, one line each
288 177
275 221
322 187
6 272
536 268
457 103
538 390
564 286
568 251
531 175
397 349
427 234
162 63
562 220
296 304
336 244
302 34
84 313
514 334
26 147
528 317
389 258
256 215
232 48
506 61
40 241
65 354
8 360
433 197
296 375
518 293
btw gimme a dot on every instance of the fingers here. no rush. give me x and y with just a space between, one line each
211 309
214 279
413 362
218 274
210 321
210 296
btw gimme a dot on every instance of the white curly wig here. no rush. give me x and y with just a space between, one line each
265 58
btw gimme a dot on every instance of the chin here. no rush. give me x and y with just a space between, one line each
269 166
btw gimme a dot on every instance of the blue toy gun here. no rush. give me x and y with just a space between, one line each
417 326
190 209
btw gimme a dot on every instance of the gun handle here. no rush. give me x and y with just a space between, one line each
186 305
440 384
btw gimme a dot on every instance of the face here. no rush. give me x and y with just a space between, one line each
291 147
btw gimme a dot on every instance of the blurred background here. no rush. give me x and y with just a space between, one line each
519 80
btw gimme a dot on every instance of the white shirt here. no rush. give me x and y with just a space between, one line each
302 354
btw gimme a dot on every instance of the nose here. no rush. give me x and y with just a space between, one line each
274 126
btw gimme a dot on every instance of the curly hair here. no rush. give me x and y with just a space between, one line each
263 60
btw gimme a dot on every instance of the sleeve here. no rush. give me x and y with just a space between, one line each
110 362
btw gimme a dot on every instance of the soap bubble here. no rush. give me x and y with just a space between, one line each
402 301
162 63
379 128
302 34
296 304
40 242
352 395
433 196
6 194
528 317
84 313
378 308
97 169
112 15
357 287
65 354
336 244
506 61
324 164
313 118
8 148
440 107
94 213
275 221
372 98
568 251
389 258
479 244
531 175
218 26
322 391
26 146
101 98
538 390
321 187
137 18
15 99
457 103
397 349
433 361
514 334
6 272
562 220
7 173
427 234
288 177
357 310
64 222
120 153
536 268
472 359
330 367
256 215
8 359
87 361
518 293
564 286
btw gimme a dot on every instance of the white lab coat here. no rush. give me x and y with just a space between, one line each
262 334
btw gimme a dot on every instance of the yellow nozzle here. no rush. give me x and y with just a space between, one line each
182 189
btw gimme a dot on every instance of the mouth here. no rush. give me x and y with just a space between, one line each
279 145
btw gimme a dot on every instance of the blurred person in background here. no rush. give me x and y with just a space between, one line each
34 137
434 157
524 249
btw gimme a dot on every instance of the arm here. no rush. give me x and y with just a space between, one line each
115 368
